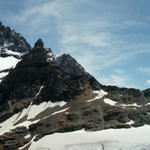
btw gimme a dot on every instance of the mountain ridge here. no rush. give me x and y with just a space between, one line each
12 47
44 94
11 40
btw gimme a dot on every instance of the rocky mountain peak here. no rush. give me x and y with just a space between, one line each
12 47
40 54
1 26
70 65
11 42
41 51
39 43
35 70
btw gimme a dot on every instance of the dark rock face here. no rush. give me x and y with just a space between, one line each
70 65
146 93
39 43
11 141
11 40
35 71
126 95
12 46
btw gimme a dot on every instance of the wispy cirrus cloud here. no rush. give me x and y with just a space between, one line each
144 69
100 40
114 80
118 71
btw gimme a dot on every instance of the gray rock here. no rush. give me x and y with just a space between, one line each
70 65
11 40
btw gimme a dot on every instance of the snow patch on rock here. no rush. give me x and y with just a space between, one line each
130 122
99 94
31 112
128 105
9 52
8 124
27 136
109 101
57 112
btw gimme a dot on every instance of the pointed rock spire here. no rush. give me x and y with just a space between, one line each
39 43
39 51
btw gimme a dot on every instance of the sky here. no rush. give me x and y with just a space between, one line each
109 38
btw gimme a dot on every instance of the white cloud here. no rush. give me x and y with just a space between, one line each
148 81
144 69
119 71
83 33
94 40
114 80
121 80
97 40
37 13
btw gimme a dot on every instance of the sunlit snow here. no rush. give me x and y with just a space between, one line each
12 52
109 101
99 94
134 104
57 112
110 139
8 62
130 122
31 112
27 136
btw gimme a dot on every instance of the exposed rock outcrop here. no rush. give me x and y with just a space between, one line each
12 47
10 40
35 71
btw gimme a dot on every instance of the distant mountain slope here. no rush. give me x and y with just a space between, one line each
12 47
10 40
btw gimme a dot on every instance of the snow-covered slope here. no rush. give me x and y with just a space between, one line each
7 63
110 139
28 116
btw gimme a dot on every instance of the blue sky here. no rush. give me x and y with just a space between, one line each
110 38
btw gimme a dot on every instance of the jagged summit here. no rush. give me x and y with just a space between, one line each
69 64
10 40
38 53
39 43
12 47
40 50
35 71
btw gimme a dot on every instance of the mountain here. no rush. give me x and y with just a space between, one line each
51 102
12 47
69 64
